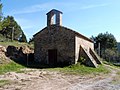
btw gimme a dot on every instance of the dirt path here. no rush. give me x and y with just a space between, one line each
106 83
33 79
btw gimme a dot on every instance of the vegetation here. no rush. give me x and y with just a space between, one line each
9 29
1 10
108 47
16 44
12 66
82 70
106 40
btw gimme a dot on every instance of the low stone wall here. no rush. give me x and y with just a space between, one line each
20 55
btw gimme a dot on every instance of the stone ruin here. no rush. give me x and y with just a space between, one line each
3 58
20 54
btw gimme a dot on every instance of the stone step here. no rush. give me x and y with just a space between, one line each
91 60
96 57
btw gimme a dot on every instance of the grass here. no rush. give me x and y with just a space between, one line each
72 69
83 70
16 44
12 66
3 82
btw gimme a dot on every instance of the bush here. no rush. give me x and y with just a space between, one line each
81 60
111 56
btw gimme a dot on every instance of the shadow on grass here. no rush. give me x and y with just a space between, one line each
28 61
33 64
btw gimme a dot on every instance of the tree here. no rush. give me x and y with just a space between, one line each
107 41
11 30
23 38
1 10
0 14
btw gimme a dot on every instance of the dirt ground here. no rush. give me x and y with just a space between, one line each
35 79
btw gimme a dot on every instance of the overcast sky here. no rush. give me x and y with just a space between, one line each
88 17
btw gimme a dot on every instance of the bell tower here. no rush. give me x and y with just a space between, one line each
54 17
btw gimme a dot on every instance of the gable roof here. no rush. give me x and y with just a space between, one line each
76 33
79 35
54 10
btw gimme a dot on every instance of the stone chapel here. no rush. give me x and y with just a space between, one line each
57 45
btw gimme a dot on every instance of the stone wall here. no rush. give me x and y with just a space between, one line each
55 37
20 54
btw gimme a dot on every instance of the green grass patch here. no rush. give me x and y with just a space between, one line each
3 82
83 70
12 66
16 44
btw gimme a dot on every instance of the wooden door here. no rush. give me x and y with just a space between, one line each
52 57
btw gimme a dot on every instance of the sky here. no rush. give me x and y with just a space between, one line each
88 17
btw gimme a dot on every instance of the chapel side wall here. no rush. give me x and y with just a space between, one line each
84 43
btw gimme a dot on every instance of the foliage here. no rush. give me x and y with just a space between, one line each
2 38
16 44
111 56
106 40
81 60
10 27
108 45
12 66
1 10
1 14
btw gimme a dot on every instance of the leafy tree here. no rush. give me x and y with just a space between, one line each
0 14
10 29
1 10
106 40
